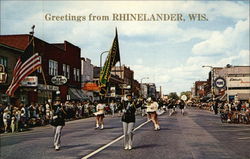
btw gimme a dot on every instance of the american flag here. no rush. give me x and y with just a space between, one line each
26 64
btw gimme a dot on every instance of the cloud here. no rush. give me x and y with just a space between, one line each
243 58
175 79
227 41
170 53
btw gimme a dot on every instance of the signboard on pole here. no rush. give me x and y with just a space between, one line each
220 82
112 91
184 97
59 80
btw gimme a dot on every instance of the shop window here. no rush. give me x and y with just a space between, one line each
74 72
4 61
78 74
53 68
65 70
68 72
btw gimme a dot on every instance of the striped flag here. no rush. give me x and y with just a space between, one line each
26 64
112 58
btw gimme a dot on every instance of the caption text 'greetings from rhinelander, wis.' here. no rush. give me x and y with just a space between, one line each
127 17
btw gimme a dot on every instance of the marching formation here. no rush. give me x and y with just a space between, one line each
128 108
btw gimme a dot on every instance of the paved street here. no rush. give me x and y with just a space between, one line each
199 135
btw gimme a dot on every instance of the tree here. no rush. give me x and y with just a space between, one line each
173 95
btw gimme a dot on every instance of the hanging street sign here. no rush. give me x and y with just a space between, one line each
59 80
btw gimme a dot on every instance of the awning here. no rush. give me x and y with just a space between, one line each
243 96
77 94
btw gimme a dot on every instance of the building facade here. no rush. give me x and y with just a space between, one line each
8 58
57 59
236 80
87 77
202 89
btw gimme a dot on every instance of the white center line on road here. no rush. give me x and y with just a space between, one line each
110 143
243 138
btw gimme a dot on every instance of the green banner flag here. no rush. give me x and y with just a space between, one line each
112 58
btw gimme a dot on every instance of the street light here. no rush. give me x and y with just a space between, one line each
141 83
101 58
212 80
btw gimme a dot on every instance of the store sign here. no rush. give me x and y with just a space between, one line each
125 86
238 81
30 81
59 80
48 87
3 74
112 91
220 82
90 87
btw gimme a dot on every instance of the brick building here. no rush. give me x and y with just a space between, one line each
202 88
57 59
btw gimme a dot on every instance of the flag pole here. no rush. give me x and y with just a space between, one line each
43 75
120 66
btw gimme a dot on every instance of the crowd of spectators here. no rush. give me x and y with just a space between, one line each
15 118
231 112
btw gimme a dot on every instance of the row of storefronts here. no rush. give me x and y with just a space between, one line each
57 59
225 83
63 70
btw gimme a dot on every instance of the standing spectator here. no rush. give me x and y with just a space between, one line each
41 113
1 116
79 107
23 117
112 107
6 120
18 119
239 105
215 107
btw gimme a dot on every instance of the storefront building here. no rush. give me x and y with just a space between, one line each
8 58
57 59
232 82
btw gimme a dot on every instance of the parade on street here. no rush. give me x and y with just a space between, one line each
124 80
197 134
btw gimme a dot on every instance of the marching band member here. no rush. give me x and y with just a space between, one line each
99 115
128 121
152 107
58 122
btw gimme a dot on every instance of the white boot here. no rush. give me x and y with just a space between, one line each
158 127
97 126
129 147
126 147
102 127
57 148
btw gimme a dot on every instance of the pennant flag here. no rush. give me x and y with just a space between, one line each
112 58
26 64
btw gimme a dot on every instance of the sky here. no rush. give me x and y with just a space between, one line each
170 53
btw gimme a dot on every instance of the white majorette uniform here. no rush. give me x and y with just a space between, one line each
99 110
99 115
152 107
